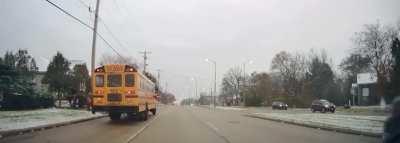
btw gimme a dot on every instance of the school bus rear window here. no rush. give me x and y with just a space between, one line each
114 80
129 80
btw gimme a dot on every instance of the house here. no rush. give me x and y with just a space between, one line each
364 91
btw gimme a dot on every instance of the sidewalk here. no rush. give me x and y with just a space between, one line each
354 124
366 121
19 121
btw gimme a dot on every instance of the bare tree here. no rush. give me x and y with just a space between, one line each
374 43
232 81
111 59
292 69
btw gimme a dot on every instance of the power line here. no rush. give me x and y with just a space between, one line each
112 34
67 13
84 4
109 45
88 26
116 4
105 25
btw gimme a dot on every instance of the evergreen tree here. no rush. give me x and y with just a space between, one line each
321 78
9 59
395 74
57 75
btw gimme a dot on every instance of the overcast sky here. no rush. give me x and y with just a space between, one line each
182 33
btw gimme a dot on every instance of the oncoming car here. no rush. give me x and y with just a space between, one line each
322 106
279 105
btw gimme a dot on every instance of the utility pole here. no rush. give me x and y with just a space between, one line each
96 16
145 53
93 62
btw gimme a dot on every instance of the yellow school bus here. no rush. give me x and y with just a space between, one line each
118 89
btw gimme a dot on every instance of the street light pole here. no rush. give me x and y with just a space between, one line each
215 82
215 78
194 79
244 78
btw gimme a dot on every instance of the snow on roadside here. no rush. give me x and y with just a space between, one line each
10 120
231 108
372 124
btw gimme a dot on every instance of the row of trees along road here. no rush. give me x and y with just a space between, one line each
300 78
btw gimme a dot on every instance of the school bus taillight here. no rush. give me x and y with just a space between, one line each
130 92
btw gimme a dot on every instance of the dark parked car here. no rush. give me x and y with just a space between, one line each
322 106
279 105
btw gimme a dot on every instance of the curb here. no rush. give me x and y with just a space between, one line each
336 129
14 132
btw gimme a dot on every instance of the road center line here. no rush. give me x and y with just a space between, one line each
144 127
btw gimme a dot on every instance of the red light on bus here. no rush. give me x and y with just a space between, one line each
99 91
130 92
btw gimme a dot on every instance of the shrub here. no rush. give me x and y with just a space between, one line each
21 101
253 100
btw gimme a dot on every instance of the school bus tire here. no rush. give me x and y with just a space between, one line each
153 111
144 115
114 116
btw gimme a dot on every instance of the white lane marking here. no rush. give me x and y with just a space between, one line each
216 131
144 127
212 126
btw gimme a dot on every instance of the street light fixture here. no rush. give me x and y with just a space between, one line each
215 78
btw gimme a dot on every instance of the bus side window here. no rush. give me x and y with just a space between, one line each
140 84
99 80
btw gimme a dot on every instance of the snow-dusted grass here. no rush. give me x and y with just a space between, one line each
230 108
365 110
11 120
371 124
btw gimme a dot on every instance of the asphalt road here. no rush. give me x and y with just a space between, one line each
175 124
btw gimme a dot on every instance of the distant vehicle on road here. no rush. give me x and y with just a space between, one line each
121 89
279 105
322 106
